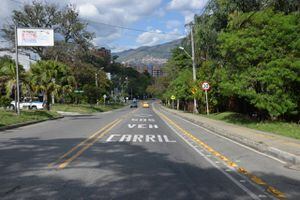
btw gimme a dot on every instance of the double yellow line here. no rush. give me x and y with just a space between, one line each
64 160
275 192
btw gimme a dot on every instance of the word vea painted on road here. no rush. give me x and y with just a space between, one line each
142 126
139 138
142 120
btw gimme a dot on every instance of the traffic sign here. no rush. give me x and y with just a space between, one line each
194 90
104 96
173 97
205 86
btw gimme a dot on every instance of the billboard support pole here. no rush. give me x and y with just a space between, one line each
17 72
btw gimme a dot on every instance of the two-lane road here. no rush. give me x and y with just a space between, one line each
134 154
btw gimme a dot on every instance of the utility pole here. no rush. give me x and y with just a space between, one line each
96 79
191 25
17 73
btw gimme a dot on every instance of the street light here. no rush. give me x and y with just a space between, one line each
194 74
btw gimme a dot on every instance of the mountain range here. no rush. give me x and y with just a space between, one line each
145 55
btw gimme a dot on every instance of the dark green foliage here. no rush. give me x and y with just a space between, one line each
4 101
249 52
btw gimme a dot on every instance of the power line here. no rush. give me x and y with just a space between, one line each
132 29
120 27
18 2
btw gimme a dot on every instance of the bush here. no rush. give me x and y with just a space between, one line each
4 101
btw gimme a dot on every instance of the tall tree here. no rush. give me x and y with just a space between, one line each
50 76
65 22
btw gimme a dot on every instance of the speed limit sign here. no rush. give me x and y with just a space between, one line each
205 86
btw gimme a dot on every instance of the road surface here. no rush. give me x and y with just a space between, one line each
135 154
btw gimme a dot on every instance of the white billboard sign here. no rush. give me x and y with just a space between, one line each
35 37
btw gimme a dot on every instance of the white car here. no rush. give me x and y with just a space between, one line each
33 105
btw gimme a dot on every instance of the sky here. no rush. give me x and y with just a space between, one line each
163 20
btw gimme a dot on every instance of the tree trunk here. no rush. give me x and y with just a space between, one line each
46 100
177 106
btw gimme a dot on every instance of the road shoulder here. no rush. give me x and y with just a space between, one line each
283 148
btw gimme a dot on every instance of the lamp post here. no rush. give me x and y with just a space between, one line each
194 75
17 71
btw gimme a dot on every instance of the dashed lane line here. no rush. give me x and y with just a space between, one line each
258 181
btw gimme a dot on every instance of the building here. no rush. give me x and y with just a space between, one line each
25 58
157 72
103 52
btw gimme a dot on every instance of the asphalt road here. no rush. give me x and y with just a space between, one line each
135 154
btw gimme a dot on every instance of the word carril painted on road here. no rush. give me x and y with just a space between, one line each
139 138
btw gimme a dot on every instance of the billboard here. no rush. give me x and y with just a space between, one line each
35 37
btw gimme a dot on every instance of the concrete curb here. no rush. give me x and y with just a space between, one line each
4 128
262 147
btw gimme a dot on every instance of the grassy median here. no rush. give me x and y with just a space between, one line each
10 117
281 128
84 108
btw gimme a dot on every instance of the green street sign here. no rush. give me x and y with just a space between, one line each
78 91
173 97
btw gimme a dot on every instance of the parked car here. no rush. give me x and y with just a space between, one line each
28 104
36 105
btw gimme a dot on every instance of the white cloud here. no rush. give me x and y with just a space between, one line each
188 8
157 37
117 12
186 4
171 24
159 12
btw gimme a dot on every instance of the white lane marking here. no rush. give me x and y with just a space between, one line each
251 194
143 115
167 139
143 126
126 138
139 138
109 139
159 138
150 137
223 137
131 125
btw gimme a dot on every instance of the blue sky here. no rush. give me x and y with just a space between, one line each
155 16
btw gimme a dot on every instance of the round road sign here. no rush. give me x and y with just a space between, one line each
205 86
173 97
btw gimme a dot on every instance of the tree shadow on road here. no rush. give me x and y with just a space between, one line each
108 171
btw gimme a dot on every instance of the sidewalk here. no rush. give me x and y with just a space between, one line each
284 148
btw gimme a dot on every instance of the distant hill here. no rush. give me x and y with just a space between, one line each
156 55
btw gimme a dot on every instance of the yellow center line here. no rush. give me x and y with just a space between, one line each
81 144
86 144
68 161
275 192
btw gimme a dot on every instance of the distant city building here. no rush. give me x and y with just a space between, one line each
103 52
157 72
25 58
150 68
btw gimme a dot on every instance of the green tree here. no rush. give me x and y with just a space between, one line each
65 23
8 76
50 76
263 60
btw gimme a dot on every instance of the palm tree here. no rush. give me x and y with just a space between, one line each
8 75
50 76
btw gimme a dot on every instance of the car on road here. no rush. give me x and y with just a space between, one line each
134 104
145 105
28 104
